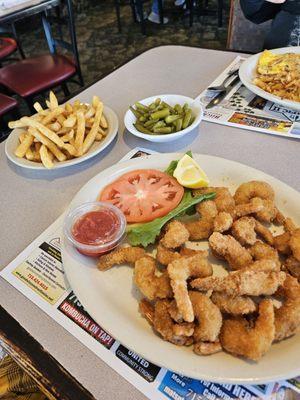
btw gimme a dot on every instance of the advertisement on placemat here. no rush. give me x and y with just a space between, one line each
244 109
42 260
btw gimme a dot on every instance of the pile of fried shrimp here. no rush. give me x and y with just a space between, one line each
252 305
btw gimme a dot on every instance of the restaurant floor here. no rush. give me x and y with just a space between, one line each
102 48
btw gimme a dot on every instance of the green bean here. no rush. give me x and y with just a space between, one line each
178 108
157 102
171 118
185 107
160 114
143 118
166 129
136 113
159 124
179 124
150 122
186 119
141 128
141 106
152 106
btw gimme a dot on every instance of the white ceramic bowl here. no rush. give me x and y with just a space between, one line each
170 99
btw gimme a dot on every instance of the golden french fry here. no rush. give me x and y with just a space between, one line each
29 154
90 113
47 142
68 136
103 122
98 137
95 101
44 130
24 146
79 138
60 119
89 139
53 100
16 124
53 114
55 126
46 159
22 136
51 155
72 142
37 107
48 104
70 121
68 108
71 149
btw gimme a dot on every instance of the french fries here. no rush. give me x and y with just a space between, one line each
60 132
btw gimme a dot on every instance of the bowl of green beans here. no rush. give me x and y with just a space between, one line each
163 118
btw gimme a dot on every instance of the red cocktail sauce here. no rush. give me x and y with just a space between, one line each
96 228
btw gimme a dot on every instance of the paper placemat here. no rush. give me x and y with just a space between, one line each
39 275
243 109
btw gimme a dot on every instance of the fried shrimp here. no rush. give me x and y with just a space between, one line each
249 190
166 256
255 205
207 348
261 251
223 222
147 310
176 235
282 243
223 200
123 255
239 338
225 246
293 267
207 209
287 317
179 272
251 282
243 230
203 227
264 233
295 243
238 305
179 334
150 284
208 316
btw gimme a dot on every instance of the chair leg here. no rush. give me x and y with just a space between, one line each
161 11
190 5
133 9
117 6
65 89
14 32
220 13
140 10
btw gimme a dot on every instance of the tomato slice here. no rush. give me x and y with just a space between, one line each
144 194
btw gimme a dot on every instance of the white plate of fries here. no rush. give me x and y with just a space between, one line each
280 86
61 135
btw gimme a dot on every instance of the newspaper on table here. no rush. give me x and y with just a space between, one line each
243 109
38 274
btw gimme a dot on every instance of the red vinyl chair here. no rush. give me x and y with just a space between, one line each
7 104
7 47
34 75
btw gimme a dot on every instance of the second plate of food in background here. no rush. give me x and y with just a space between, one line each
248 73
171 100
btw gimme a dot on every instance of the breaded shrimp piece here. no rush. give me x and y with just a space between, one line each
255 205
223 200
293 267
200 229
207 209
238 338
208 316
223 222
287 317
243 230
282 243
180 334
166 256
147 310
179 272
238 305
244 282
264 233
225 246
187 252
207 348
150 284
175 314
123 255
295 243
248 190
176 235
262 251
289 225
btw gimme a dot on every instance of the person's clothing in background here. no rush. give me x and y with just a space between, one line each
154 15
285 30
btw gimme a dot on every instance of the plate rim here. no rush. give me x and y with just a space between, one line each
217 379
244 77
68 163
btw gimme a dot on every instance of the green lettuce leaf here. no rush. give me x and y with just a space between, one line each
145 234
173 164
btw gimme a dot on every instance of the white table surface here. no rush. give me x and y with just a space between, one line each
30 202
17 7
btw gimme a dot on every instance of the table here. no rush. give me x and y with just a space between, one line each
30 202
25 9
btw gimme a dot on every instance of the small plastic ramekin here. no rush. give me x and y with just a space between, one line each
101 247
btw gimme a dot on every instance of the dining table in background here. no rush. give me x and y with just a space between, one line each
31 201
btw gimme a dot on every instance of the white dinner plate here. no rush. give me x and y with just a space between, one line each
111 298
12 143
247 74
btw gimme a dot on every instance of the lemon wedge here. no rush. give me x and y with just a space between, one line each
189 174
